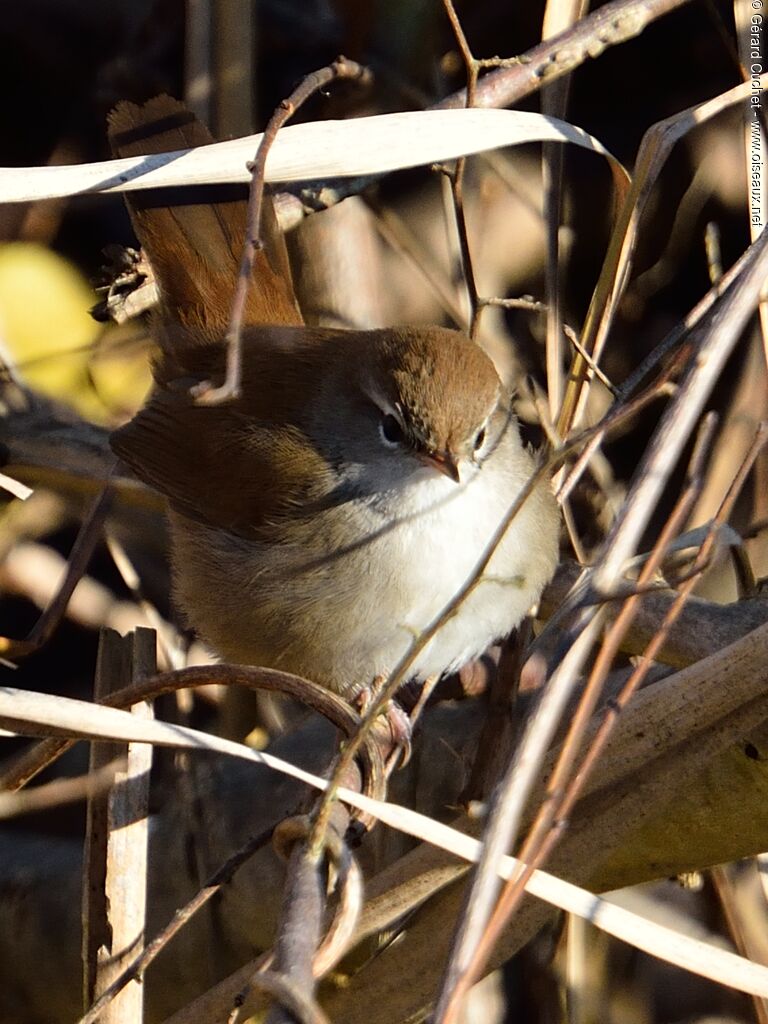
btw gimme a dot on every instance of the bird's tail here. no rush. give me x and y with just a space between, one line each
194 236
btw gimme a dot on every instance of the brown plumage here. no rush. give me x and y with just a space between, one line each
271 440
330 512
194 237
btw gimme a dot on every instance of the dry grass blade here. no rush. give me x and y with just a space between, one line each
654 150
321 149
558 17
15 487
58 792
33 712
115 882
718 340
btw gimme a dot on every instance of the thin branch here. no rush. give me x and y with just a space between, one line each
205 393
457 178
299 929
399 673
300 1008
612 24
727 324
318 698
88 537
552 811
221 877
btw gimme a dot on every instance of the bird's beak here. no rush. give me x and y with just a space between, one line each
445 462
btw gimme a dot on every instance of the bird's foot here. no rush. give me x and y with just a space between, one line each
392 728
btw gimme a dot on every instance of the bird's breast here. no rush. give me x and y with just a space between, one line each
340 596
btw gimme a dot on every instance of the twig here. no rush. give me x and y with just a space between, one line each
329 704
524 302
458 176
554 101
59 792
205 393
300 1008
341 932
592 366
87 539
555 811
298 953
612 24
727 323
552 810
221 877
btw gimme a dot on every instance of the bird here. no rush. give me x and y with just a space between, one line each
325 516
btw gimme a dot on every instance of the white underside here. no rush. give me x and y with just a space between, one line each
354 617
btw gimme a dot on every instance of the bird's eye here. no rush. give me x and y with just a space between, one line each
391 430
480 439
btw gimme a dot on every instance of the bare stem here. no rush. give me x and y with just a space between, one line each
315 82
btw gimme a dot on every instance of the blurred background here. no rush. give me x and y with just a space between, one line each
65 65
